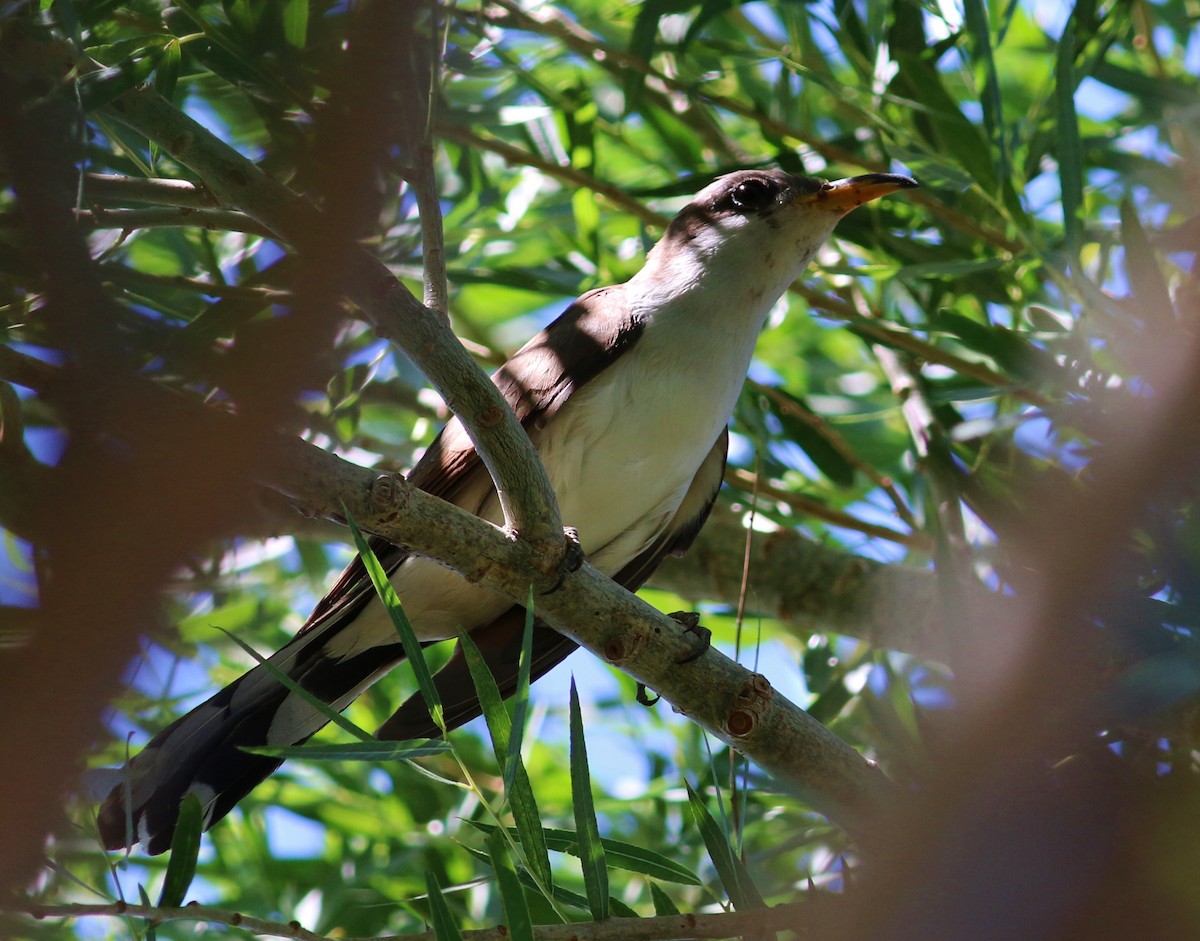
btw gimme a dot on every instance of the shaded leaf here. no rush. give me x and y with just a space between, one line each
734 878
521 799
185 851
591 849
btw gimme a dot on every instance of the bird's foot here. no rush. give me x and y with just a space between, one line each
572 559
691 621
643 695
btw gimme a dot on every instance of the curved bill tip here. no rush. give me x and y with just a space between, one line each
844 195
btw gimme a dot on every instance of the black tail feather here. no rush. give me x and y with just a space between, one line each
202 752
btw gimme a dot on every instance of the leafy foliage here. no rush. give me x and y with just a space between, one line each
957 384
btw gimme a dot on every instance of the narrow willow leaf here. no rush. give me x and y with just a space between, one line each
295 22
810 439
151 928
491 702
318 704
185 850
617 854
408 638
591 850
1145 277
354 751
166 76
512 896
733 875
564 897
520 697
1070 158
975 16
662 902
520 795
444 928
102 86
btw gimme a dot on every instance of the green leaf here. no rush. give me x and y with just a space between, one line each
185 850
709 10
512 896
662 902
318 704
938 118
520 697
1145 277
951 267
521 799
444 926
733 875
408 638
975 16
1008 348
591 850
617 854
295 22
167 74
808 438
1151 88
98 88
1070 157
151 928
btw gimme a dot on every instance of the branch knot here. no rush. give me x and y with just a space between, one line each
389 492
750 702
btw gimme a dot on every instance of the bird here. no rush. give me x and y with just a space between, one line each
626 396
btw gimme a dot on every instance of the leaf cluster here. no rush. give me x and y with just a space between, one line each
956 386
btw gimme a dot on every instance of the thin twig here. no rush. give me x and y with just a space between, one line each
888 334
433 246
816 298
113 187
567 174
803 916
264 293
930 442
525 492
743 480
547 20
425 185
226 220
835 440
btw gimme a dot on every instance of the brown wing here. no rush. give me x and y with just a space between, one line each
500 641
536 382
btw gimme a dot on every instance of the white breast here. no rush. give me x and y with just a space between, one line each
622 452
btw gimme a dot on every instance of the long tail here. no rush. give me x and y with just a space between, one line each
201 752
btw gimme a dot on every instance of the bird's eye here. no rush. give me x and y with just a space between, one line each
752 195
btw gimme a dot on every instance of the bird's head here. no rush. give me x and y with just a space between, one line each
759 228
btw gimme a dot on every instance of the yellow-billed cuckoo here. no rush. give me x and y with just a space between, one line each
626 396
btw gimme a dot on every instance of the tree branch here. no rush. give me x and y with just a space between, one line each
811 587
807 915
113 187
874 328
212 219
737 706
746 480
525 493
549 21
